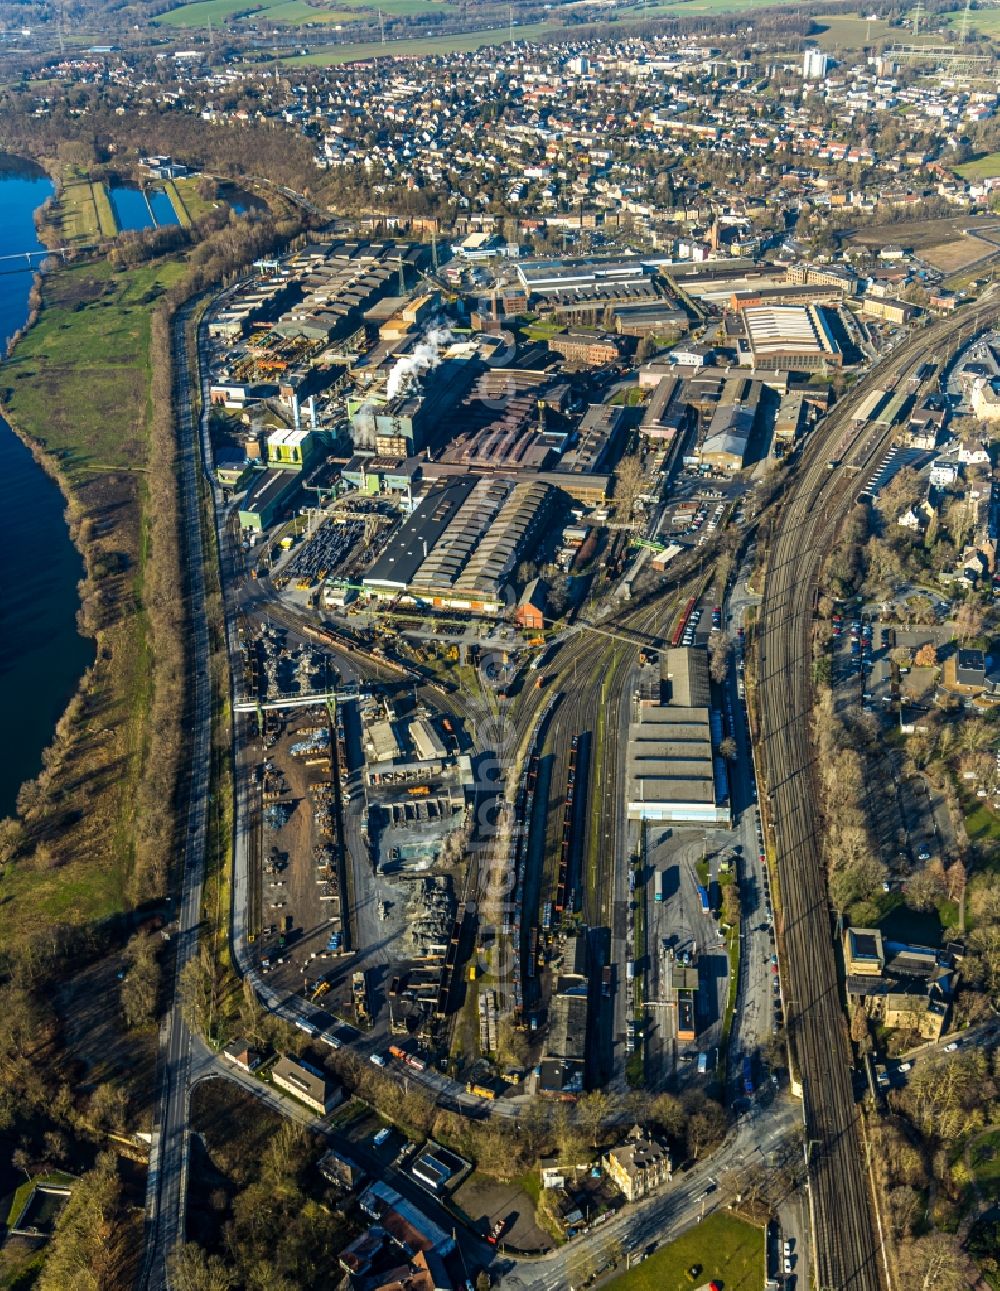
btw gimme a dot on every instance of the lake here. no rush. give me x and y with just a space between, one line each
42 656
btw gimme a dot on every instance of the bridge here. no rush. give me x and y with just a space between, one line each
24 261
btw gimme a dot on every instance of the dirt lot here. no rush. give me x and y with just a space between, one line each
922 235
486 1200
949 257
291 890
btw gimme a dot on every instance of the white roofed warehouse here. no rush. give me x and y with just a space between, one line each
796 338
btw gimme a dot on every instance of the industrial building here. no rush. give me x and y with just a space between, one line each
561 1071
267 496
291 450
725 445
672 773
591 348
582 289
791 337
666 412
340 281
461 543
399 423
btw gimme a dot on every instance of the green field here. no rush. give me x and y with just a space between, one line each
80 382
726 1249
985 167
850 31
292 12
986 21
83 213
80 375
461 44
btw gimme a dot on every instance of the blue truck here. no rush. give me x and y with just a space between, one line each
703 898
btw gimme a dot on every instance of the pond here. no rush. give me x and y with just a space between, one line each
136 208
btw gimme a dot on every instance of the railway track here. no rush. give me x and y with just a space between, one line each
848 1256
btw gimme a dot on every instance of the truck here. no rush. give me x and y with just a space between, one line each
629 970
606 981
419 791
702 1064
480 1091
747 1074
359 997
703 898
658 892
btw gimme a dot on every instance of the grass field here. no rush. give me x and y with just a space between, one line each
986 166
986 21
292 12
420 46
79 384
178 203
726 1249
981 824
850 31
83 214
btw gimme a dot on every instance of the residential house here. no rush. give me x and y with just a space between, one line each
639 1166
306 1083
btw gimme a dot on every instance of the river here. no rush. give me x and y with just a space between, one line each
42 656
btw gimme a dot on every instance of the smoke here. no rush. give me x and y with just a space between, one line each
423 358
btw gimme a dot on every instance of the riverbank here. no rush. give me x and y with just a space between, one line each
80 392
42 657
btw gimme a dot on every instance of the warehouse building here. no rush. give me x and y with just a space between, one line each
796 338
724 447
671 771
462 542
267 497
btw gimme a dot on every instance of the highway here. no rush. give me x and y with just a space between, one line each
166 1182
846 1250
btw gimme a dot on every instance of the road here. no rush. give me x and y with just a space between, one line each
690 1197
846 1250
166 1183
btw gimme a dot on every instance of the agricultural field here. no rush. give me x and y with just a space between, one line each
723 1248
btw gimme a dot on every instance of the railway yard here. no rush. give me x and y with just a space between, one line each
469 853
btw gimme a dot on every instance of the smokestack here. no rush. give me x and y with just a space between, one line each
296 412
